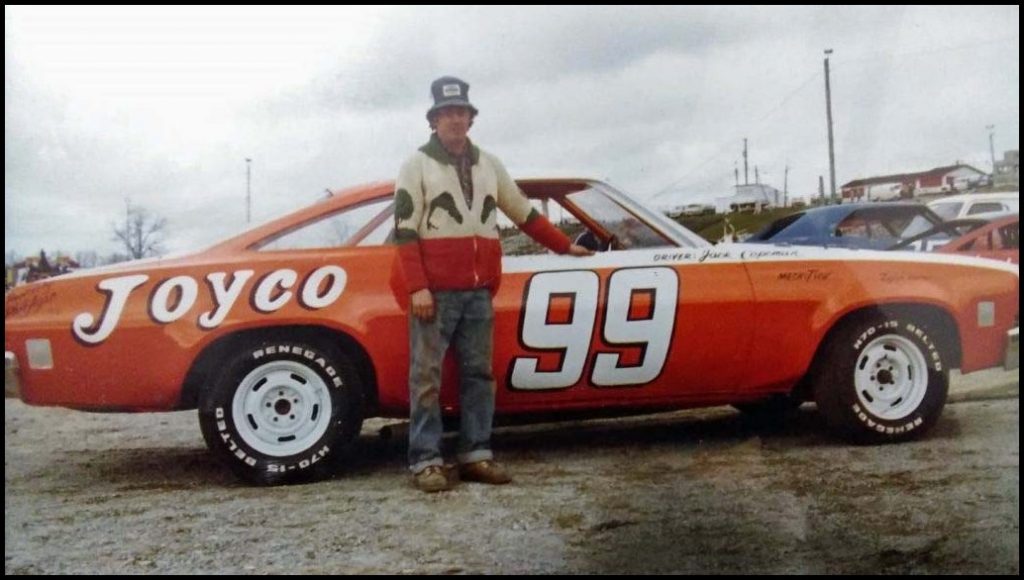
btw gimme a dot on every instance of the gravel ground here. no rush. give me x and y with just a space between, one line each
684 492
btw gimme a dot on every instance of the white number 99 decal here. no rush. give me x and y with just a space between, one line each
654 330
573 337
650 330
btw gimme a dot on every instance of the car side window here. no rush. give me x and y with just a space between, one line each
1009 236
852 226
515 242
364 224
381 235
985 207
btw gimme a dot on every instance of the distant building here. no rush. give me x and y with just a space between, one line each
947 179
750 197
1007 171
691 209
37 268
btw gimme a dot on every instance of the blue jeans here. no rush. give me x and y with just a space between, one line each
465 319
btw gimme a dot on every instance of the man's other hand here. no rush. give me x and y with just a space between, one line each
577 250
422 304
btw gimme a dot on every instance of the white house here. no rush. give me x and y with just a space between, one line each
750 197
946 179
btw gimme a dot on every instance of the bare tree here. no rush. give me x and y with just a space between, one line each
141 233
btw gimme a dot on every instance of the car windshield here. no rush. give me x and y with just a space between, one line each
629 231
775 228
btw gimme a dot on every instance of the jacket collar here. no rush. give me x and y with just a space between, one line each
436 151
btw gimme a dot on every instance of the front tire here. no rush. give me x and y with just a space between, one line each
281 412
881 379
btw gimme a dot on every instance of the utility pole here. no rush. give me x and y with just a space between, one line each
746 180
248 190
785 187
757 176
992 148
736 173
831 148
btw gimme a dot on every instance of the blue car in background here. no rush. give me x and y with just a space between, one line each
876 226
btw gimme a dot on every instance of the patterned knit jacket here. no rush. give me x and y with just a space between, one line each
445 244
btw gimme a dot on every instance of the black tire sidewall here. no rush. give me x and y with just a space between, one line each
218 423
835 391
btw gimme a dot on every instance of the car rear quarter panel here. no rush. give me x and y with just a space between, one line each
799 301
142 364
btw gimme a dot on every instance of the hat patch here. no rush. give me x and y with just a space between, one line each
451 90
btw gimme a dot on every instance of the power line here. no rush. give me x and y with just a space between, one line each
729 142
724 145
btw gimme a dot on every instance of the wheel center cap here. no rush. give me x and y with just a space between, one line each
282 407
885 377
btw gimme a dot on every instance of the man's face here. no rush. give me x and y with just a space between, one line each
452 123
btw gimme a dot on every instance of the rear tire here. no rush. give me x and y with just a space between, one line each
881 379
283 411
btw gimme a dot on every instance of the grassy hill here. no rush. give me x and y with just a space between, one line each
711 227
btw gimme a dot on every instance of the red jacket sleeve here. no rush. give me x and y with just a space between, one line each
539 228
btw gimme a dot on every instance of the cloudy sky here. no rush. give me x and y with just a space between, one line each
161 106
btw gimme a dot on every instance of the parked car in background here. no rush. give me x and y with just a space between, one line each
697 209
976 205
999 240
878 226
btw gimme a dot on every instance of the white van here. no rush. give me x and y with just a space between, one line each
983 205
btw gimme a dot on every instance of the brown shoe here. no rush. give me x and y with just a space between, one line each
486 471
432 479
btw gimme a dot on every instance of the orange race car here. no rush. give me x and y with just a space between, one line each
287 336
998 240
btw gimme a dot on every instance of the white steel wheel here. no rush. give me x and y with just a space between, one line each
880 379
891 377
282 411
281 408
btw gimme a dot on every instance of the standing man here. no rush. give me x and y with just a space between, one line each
446 228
